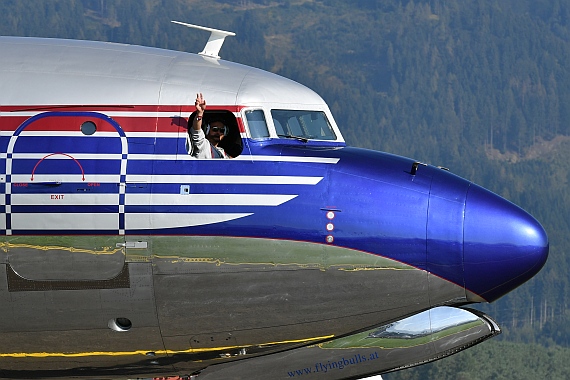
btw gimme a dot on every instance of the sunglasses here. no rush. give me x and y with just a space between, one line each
218 129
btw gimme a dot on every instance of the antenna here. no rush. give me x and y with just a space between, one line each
215 41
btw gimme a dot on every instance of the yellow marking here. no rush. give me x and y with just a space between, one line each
104 251
178 259
219 262
138 258
375 268
144 352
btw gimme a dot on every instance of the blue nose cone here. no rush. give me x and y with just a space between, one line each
503 245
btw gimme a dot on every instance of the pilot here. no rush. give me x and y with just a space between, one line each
206 144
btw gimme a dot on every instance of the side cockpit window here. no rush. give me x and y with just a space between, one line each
310 125
256 124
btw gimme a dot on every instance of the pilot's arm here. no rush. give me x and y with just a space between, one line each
197 143
200 104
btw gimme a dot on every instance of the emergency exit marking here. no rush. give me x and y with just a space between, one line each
56 196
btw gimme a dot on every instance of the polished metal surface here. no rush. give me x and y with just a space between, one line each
66 332
427 336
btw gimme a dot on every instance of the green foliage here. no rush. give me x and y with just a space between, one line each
495 361
481 87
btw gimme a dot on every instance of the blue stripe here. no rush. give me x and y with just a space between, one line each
65 165
135 148
178 209
4 140
63 209
171 146
81 144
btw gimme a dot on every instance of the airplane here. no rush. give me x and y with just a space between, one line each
301 257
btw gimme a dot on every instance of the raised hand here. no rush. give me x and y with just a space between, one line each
200 104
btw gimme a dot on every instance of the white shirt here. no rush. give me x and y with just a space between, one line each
201 147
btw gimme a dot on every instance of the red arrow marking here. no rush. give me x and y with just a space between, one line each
63 154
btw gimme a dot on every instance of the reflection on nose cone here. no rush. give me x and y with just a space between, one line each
504 246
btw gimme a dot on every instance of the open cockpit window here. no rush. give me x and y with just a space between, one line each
231 143
304 125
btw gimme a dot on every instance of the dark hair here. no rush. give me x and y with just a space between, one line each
215 118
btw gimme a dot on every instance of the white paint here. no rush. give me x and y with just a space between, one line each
170 220
71 221
207 199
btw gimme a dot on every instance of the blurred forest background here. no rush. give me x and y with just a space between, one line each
479 86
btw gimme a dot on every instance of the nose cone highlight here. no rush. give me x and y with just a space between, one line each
503 245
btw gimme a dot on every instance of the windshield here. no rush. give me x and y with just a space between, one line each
302 125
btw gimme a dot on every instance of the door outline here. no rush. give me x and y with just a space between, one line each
28 122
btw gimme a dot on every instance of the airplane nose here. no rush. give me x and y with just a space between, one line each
503 245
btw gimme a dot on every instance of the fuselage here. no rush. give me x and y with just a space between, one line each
123 253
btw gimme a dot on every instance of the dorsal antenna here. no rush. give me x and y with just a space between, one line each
215 42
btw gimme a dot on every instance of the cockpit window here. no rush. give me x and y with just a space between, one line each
304 125
256 123
231 143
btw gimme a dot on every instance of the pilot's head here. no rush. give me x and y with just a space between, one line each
216 130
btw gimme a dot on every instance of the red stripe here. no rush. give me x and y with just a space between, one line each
185 109
175 124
